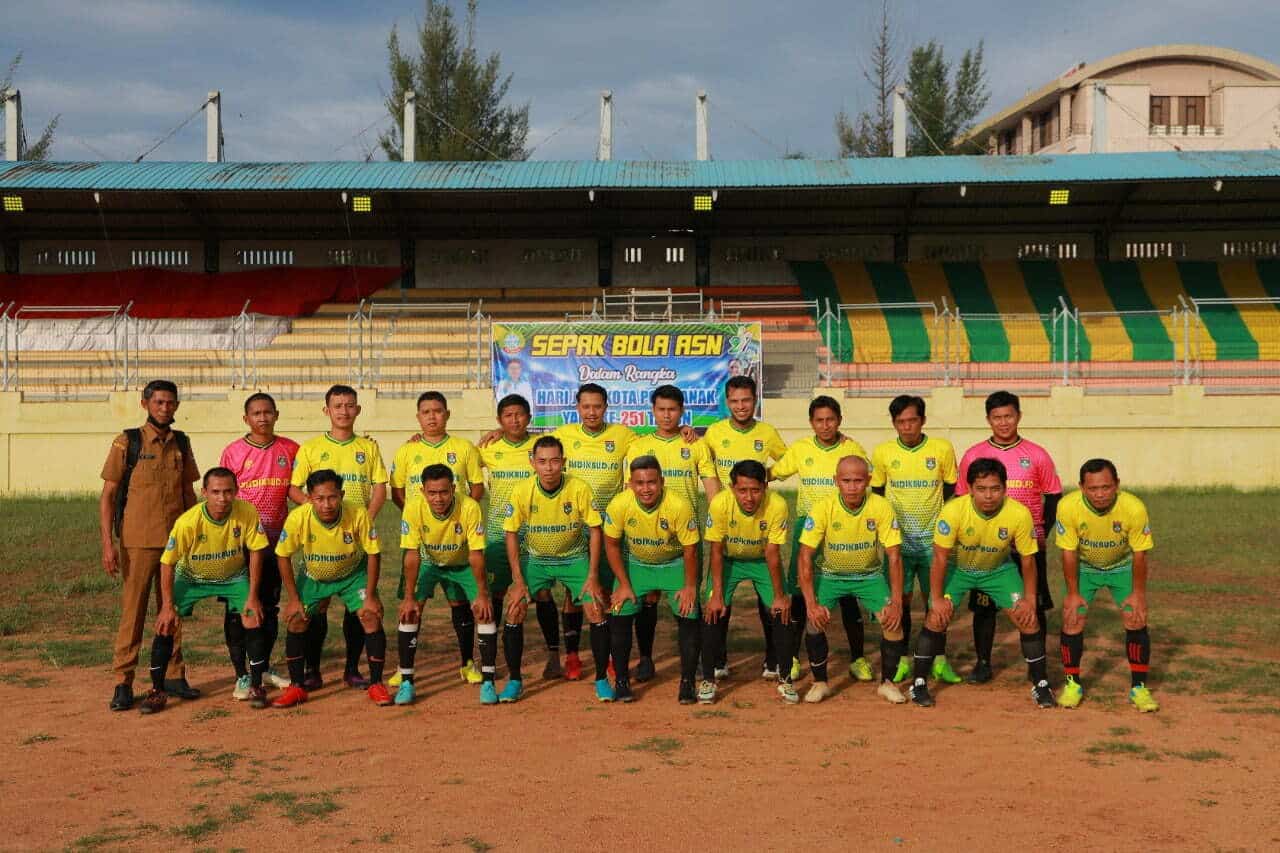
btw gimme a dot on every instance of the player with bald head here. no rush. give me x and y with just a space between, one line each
850 528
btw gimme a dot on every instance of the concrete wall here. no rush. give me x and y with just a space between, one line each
1183 439
531 264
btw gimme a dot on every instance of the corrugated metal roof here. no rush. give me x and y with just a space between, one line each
639 174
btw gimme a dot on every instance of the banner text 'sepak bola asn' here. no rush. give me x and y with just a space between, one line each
546 362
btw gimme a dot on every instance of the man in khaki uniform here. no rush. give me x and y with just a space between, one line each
157 490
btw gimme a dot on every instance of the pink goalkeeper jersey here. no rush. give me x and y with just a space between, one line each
1030 470
263 475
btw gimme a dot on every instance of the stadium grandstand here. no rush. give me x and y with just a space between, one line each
1119 272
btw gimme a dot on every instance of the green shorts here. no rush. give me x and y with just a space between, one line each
1003 584
350 589
456 582
543 573
915 567
497 567
738 570
188 590
651 577
1119 580
871 589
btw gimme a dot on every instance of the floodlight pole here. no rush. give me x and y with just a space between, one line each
604 150
899 122
213 128
409 134
11 99
700 110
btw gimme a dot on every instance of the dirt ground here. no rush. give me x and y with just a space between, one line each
558 770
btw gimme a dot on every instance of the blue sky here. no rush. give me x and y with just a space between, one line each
301 80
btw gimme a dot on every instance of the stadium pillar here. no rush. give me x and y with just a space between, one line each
702 261
408 264
1064 116
604 151
1099 145
12 253
604 262
1026 146
213 128
211 255
11 99
700 113
899 122
409 133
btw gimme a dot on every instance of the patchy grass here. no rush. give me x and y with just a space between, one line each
1122 747
661 746
476 844
21 679
38 737
200 829
711 715
206 714
1199 755
300 808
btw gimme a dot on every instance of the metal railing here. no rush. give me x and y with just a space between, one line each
393 346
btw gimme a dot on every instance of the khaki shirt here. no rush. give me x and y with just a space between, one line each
155 489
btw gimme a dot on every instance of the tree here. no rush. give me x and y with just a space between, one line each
44 142
941 108
870 134
460 109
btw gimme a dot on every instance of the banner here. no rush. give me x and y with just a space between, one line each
546 362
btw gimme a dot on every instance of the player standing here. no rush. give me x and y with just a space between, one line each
917 473
731 440
746 526
684 465
983 532
1033 482
340 556
263 463
651 541
205 558
848 526
555 515
1105 534
446 531
358 461
434 445
814 458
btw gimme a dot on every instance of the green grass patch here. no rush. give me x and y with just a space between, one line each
662 746
21 679
38 737
200 829
1119 731
100 839
300 808
712 714
476 844
1272 710
1122 747
206 714
1199 755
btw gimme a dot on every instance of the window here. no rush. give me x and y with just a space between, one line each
550 256
1152 250
160 258
1159 110
1193 110
954 252
357 257
752 254
1009 142
1049 251
264 257
1251 249
633 254
675 254
458 256
82 258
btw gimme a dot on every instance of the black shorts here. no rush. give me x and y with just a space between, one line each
981 601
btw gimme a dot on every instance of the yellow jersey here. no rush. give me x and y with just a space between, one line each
214 551
358 461
745 536
816 466
596 458
508 464
445 540
657 535
847 539
330 552
982 543
553 525
417 453
1106 540
684 465
729 445
912 479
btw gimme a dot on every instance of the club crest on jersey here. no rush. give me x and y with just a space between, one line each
1117 527
417 460
510 510
568 508
944 528
808 524
759 445
201 538
282 461
173 543
1003 533
764 525
930 462
1061 530
710 520
404 528
631 522
347 538
609 446
685 454
360 457
1024 462
835 525
725 444
235 532
451 458
324 457
662 522
457 529
248 463
808 460
871 525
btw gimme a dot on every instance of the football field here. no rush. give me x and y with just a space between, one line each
984 767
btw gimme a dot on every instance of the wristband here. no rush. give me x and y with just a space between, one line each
948 597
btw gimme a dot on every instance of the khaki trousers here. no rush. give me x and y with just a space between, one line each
139 569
